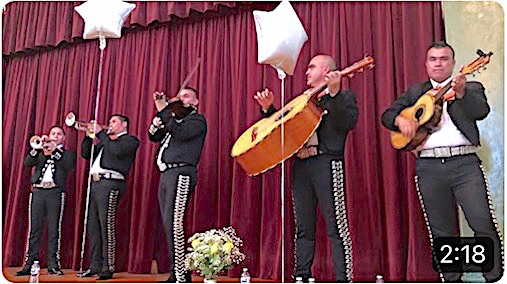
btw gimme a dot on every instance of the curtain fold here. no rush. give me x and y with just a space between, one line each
31 25
388 231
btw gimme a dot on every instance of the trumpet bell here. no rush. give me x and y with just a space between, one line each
37 142
70 119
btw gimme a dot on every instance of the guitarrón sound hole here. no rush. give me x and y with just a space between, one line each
283 114
419 113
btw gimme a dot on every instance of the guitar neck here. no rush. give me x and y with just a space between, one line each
319 89
313 94
360 66
442 91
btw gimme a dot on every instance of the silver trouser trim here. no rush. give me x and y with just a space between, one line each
182 190
295 234
62 206
416 179
493 214
111 229
341 215
29 227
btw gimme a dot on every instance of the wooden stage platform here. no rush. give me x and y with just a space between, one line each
123 277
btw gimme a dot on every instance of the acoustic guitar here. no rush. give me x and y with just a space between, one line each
427 110
260 147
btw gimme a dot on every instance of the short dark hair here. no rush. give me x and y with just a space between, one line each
193 90
441 44
122 118
58 126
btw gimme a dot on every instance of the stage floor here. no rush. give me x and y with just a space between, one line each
70 276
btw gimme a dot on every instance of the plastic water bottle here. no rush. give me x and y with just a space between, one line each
34 272
311 280
379 279
299 279
245 276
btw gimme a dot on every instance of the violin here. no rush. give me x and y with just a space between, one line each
176 106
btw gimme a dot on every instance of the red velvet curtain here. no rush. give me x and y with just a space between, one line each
29 25
387 227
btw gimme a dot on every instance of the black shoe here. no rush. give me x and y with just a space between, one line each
455 281
23 272
87 273
55 271
105 275
305 278
172 278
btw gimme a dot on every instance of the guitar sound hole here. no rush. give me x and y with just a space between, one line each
283 114
419 113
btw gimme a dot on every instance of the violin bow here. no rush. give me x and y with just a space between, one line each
189 76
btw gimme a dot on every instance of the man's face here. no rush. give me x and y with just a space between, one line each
439 63
56 134
188 97
316 71
116 125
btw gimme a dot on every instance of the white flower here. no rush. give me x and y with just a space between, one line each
213 251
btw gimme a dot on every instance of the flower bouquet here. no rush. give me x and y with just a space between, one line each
213 251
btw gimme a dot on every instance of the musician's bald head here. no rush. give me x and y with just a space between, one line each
326 60
318 67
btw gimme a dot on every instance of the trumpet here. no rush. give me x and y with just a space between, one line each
70 121
40 142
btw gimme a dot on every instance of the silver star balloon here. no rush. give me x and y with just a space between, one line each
103 18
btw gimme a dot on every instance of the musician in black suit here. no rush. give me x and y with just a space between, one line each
447 167
318 175
181 138
112 158
52 164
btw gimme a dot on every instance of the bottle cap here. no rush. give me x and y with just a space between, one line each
379 276
245 269
36 261
311 279
299 278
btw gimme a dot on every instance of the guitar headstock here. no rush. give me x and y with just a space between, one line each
477 64
366 63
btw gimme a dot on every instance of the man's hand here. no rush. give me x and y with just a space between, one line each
160 100
265 98
334 81
96 128
458 83
49 147
407 126
157 122
93 129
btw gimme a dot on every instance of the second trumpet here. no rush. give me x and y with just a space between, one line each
70 120
40 142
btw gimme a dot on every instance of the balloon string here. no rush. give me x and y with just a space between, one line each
281 76
102 45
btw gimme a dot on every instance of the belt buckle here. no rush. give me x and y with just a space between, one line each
442 152
95 177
